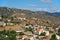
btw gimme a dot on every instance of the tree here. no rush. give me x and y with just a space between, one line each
42 34
29 29
53 37
58 32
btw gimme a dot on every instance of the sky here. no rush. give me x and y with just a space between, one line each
34 5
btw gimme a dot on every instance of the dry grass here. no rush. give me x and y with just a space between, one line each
13 27
1 28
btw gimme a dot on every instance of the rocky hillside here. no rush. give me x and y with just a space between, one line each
44 16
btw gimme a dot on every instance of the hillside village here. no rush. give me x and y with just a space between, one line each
25 27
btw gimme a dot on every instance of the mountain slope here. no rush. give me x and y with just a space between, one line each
42 15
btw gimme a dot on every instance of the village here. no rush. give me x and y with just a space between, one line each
28 28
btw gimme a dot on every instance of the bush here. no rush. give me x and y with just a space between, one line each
21 33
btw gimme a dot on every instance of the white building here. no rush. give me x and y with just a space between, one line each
58 37
31 38
2 24
47 33
20 18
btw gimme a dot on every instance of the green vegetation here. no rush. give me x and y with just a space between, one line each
58 32
53 37
29 29
42 34
21 33
7 35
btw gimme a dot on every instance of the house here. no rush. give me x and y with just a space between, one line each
11 24
39 31
21 18
42 30
31 38
28 33
58 37
27 37
34 18
18 31
24 37
47 38
2 24
47 33
8 20
35 26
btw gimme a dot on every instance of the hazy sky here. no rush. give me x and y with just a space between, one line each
35 5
